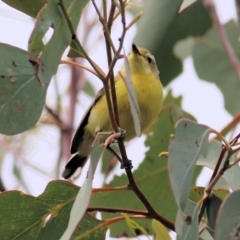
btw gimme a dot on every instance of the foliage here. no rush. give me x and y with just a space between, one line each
161 193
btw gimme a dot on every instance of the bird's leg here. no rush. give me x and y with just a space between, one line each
108 147
123 166
111 140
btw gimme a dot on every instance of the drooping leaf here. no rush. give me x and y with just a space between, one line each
46 58
132 98
232 175
45 216
29 7
168 27
83 197
212 209
160 232
213 65
227 223
190 142
187 226
21 95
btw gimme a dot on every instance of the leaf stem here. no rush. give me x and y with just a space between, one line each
75 38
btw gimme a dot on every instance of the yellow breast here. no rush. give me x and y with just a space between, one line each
149 94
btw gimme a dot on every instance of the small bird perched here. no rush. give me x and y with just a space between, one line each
149 92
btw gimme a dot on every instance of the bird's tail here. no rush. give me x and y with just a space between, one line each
74 163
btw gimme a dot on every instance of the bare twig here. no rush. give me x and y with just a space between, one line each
56 118
109 189
80 66
230 125
237 2
75 38
121 210
223 36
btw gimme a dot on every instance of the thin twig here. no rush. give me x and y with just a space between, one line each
230 125
56 118
223 36
215 177
134 20
109 189
113 100
152 213
111 14
104 9
106 30
237 2
75 38
105 80
80 66
121 210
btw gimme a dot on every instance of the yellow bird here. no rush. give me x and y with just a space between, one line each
149 92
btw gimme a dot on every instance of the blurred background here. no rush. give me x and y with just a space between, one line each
31 159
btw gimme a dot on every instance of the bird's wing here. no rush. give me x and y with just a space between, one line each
78 136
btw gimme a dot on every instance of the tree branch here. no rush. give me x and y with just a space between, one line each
223 37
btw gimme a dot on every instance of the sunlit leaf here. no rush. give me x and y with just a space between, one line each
83 197
45 216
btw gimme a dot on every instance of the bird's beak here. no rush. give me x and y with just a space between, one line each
135 50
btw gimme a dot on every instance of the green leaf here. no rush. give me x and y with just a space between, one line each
21 95
84 194
196 193
46 216
187 225
227 223
160 232
151 175
89 89
75 51
46 58
29 7
213 65
212 208
168 27
232 175
132 98
190 141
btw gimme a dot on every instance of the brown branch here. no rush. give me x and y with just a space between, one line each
56 118
115 210
223 36
75 38
146 214
230 125
237 3
218 173
109 189
111 14
152 213
112 105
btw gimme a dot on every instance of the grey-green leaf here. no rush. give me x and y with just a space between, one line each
227 223
213 205
213 65
46 58
190 142
21 95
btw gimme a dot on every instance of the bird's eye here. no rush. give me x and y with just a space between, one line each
149 59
